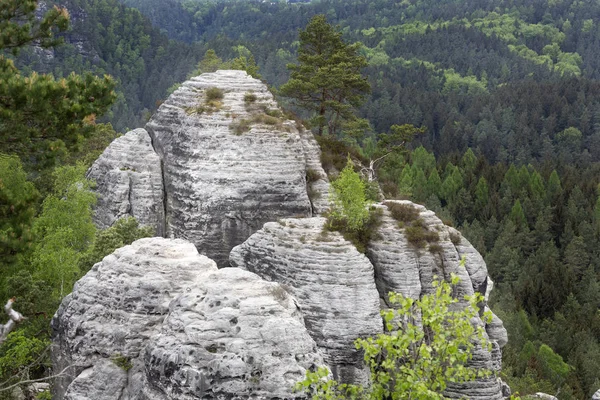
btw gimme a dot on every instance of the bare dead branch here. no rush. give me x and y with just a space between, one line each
28 381
14 318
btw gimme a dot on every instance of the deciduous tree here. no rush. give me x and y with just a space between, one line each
428 345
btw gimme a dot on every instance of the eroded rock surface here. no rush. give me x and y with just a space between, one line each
117 306
129 182
332 282
233 336
221 184
403 267
156 320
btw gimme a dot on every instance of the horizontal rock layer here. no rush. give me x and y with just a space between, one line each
332 282
402 267
233 336
193 176
156 320
222 185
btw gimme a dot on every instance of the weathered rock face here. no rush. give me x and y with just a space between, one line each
156 320
340 290
331 280
222 185
402 267
234 336
129 182
214 170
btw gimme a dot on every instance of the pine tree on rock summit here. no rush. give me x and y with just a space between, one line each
327 80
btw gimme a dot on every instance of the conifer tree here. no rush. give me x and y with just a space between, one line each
327 80
43 117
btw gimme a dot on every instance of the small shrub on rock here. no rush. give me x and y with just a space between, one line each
455 238
350 214
250 98
214 94
418 235
402 212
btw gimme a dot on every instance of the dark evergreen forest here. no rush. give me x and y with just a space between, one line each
509 94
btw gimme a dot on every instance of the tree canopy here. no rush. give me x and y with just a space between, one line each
42 117
327 80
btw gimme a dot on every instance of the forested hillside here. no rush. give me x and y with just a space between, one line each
508 92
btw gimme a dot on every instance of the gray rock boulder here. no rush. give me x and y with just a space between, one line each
156 320
228 167
234 336
332 282
119 304
129 182
338 288
596 395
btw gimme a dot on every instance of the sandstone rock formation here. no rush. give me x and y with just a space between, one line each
222 185
156 320
224 166
129 182
219 166
332 282
340 291
402 267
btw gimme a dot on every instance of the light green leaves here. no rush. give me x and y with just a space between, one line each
349 199
428 345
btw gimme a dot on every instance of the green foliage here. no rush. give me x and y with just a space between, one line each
428 344
327 80
122 362
214 94
250 98
18 353
18 200
125 231
349 200
405 213
419 235
64 229
350 213
209 63
334 154
19 25
43 117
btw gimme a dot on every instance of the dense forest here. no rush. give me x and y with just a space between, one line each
508 92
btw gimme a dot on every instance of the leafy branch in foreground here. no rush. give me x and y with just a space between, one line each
428 344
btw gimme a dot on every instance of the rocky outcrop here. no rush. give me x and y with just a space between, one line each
340 290
156 320
403 267
223 183
332 282
129 182
233 336
212 170
223 168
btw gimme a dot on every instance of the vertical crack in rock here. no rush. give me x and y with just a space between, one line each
156 320
213 171
404 268
129 182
